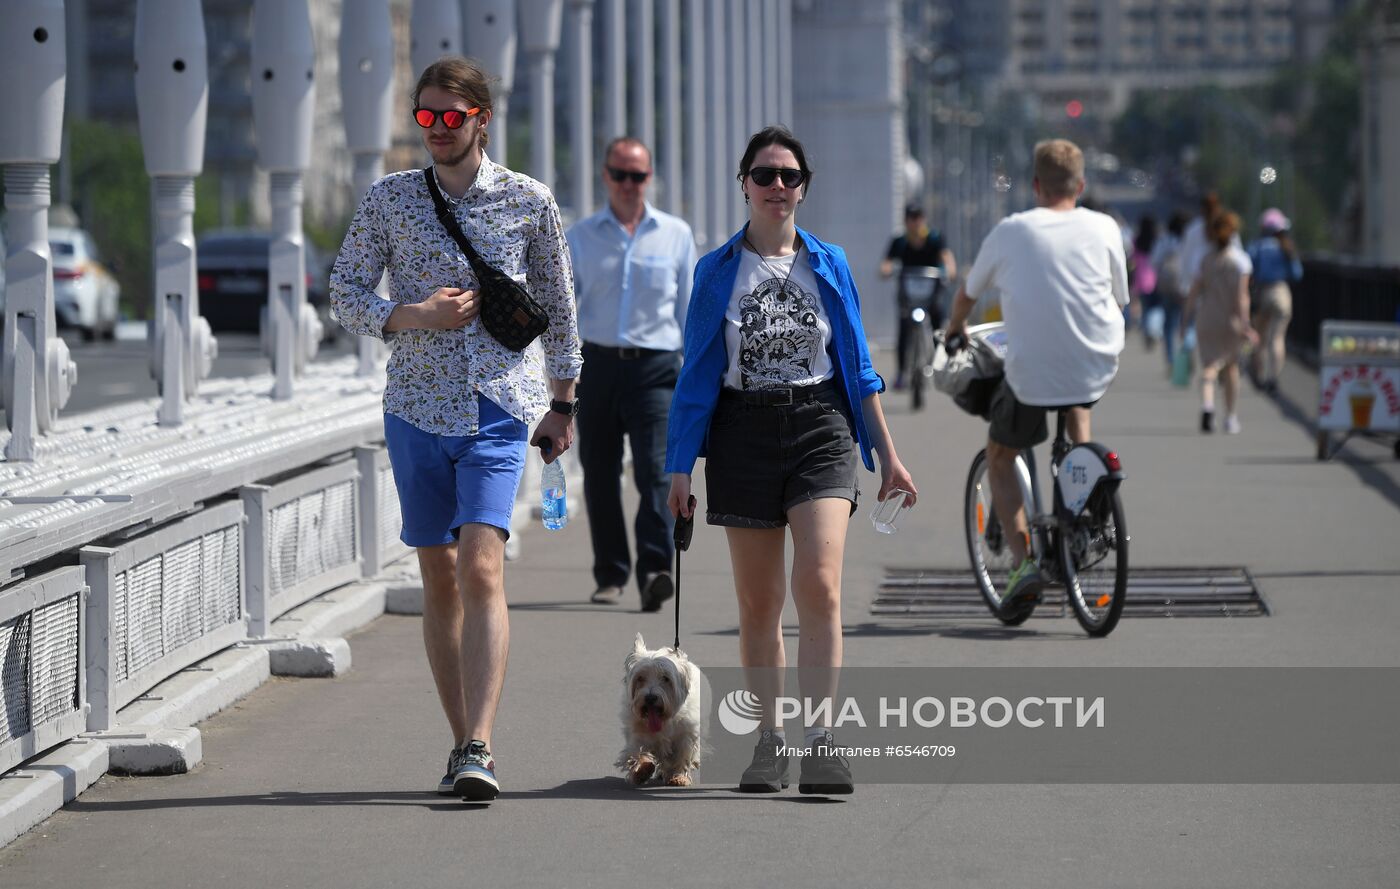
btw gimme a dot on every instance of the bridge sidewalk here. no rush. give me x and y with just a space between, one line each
322 782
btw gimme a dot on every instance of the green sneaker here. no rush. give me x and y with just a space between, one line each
1023 588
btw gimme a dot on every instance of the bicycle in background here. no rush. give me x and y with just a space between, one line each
1080 543
922 287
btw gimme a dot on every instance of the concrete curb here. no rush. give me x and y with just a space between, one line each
32 793
172 751
310 658
196 693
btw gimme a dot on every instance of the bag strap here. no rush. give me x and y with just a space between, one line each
449 222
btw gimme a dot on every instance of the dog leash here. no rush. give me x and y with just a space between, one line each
685 528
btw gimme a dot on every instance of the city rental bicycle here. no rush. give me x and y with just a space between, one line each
922 286
1080 544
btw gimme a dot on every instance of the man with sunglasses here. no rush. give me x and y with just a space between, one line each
457 402
632 273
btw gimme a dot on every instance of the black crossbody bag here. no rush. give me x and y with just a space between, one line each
507 310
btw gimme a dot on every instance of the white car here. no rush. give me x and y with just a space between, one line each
84 292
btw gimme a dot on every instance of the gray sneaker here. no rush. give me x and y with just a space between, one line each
768 773
476 774
447 786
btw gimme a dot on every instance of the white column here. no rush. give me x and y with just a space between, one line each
614 69
435 30
784 42
542 21
717 121
739 131
644 83
36 375
489 35
671 104
367 101
771 114
581 104
697 175
757 46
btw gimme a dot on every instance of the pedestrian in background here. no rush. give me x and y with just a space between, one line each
1219 307
779 394
919 247
1172 288
633 268
457 402
1142 283
1276 267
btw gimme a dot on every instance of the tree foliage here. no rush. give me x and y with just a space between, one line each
1305 123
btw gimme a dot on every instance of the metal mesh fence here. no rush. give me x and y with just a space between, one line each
54 661
390 521
119 626
182 617
14 677
145 625
222 568
311 535
173 599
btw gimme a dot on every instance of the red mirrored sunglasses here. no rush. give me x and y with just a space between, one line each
452 118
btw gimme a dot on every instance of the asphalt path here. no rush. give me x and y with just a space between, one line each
313 783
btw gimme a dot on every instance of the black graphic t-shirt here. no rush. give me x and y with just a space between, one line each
776 329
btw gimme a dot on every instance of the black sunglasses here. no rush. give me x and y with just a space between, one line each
763 176
623 175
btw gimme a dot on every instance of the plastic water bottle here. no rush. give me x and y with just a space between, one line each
552 496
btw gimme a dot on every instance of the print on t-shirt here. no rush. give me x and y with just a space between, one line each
778 334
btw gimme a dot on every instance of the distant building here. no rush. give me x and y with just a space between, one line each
1098 52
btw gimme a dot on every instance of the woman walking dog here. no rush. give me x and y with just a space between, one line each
779 394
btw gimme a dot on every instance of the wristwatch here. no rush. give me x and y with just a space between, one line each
567 408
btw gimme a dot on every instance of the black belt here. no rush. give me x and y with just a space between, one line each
625 353
781 396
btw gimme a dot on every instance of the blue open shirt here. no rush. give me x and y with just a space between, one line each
706 356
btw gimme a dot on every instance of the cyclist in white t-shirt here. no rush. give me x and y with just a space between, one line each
1063 281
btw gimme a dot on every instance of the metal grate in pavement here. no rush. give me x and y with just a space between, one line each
936 593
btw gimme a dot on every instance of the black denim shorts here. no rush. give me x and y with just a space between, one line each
763 459
1015 424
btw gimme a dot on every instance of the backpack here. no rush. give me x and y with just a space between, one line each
1169 277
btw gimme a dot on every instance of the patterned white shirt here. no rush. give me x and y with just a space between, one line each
434 376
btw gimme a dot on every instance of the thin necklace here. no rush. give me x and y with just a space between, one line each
797 245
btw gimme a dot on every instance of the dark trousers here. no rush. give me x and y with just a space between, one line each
626 396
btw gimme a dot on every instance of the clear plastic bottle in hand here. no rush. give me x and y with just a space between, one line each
553 499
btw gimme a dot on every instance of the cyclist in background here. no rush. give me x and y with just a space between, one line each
1063 281
919 246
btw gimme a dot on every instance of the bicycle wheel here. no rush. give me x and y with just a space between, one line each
921 354
1094 554
987 547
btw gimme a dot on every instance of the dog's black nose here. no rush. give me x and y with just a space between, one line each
651 700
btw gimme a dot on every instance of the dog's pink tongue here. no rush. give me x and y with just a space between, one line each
653 721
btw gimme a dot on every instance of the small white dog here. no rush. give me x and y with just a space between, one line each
661 716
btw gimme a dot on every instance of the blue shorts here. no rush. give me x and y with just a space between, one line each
447 481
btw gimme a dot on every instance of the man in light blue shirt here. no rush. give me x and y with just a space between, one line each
632 277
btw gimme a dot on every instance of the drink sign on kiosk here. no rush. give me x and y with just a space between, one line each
1359 388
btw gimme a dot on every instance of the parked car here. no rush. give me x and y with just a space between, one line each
232 266
85 293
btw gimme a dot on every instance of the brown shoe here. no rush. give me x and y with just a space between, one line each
606 595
